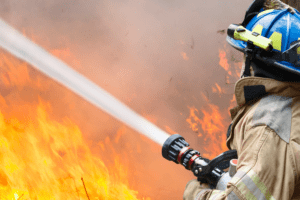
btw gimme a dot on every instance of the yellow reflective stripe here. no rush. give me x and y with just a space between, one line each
232 196
264 12
245 191
252 187
258 29
276 39
239 174
260 185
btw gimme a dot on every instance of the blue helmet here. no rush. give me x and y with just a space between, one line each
282 26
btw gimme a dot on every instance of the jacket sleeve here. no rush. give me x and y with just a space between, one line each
265 169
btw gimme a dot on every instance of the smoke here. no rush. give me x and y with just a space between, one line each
156 56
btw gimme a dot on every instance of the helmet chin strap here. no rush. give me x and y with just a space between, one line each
271 58
249 53
247 66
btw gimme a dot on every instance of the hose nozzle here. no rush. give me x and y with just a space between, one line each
176 149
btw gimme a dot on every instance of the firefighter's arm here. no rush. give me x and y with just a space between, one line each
265 170
193 188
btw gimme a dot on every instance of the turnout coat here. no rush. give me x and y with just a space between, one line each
265 131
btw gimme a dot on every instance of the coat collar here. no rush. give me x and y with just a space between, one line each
252 88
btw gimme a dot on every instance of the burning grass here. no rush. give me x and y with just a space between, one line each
44 158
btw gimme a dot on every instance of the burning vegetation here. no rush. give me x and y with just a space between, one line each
44 158
47 154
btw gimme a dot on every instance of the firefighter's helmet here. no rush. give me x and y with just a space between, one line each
281 26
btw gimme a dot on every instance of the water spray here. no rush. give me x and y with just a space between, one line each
18 45
175 148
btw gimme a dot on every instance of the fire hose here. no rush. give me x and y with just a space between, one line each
175 148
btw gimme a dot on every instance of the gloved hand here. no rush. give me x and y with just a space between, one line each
193 188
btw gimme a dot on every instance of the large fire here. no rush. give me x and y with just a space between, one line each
45 158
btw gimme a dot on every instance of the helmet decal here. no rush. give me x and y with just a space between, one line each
277 40
265 12
275 37
258 29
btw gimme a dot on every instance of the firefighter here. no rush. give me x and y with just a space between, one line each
265 128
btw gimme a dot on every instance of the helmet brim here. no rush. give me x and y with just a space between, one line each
241 46
237 44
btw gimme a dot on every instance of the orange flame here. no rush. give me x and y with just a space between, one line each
224 62
43 158
233 69
217 89
66 54
234 76
210 128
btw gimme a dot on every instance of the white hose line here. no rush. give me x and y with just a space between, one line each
21 47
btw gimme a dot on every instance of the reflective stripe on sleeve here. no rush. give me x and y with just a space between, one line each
232 196
260 185
252 187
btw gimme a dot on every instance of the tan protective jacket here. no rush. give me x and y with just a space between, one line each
266 134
